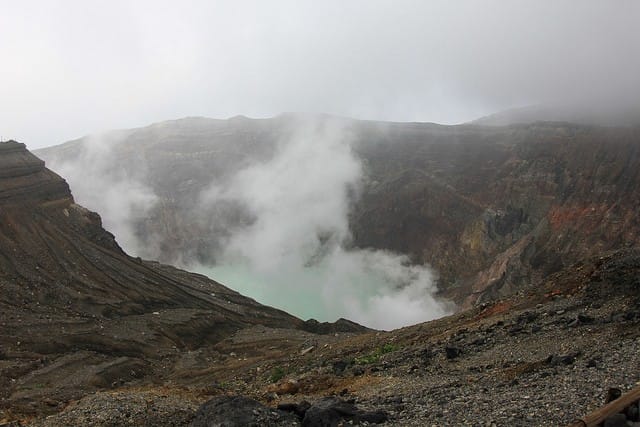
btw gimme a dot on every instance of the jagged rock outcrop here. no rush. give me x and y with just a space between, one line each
25 177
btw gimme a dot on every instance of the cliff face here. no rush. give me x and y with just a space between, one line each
77 313
494 210
491 208
24 177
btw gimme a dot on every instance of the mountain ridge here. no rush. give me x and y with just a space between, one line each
480 204
586 114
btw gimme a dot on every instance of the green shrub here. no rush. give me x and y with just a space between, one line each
277 374
374 356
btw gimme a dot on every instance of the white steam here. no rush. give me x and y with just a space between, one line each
285 238
99 183
295 254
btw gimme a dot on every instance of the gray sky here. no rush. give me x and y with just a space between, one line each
68 68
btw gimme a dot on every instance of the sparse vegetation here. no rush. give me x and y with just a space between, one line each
277 374
374 357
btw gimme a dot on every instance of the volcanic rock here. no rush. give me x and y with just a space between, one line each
239 411
331 411
492 209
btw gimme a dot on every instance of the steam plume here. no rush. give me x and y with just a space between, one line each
120 197
295 252
279 226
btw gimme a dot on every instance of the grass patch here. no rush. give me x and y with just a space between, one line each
277 374
374 356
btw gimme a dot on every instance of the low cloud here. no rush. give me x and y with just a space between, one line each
68 70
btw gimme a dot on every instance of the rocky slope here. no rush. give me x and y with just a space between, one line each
77 314
493 209
546 356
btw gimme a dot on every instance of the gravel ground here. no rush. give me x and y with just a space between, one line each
124 408
523 383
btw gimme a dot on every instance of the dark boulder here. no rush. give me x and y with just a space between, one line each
300 409
330 411
240 411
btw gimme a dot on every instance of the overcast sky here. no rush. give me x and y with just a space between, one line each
68 68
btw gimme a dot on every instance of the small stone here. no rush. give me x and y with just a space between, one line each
357 371
339 366
50 402
452 352
285 387
612 394
583 318
307 350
